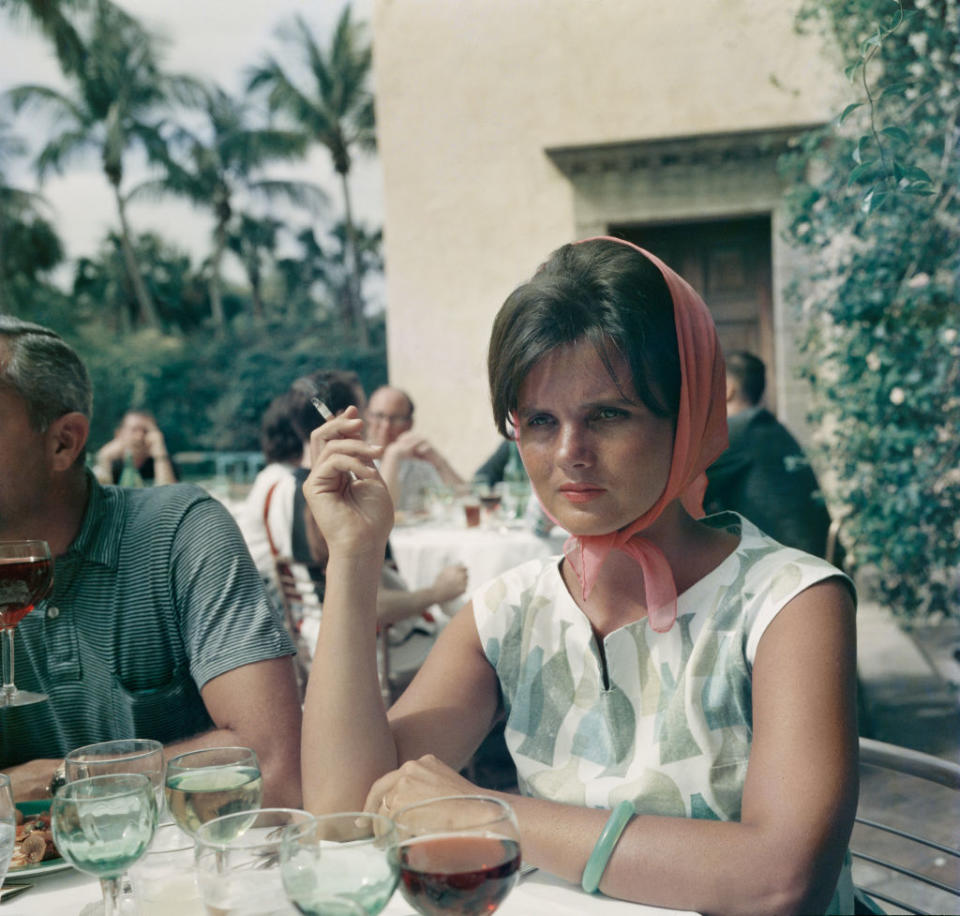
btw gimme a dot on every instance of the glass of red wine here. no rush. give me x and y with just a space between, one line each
26 577
459 854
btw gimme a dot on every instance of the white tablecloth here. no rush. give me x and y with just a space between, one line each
421 551
66 893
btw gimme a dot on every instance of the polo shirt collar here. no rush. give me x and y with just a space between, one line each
98 540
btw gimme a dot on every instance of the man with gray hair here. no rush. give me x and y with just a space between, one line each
157 625
411 465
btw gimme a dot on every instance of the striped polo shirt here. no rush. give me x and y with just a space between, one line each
156 596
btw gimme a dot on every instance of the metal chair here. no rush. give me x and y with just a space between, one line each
898 858
300 599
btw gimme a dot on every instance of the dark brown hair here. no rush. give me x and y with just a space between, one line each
601 291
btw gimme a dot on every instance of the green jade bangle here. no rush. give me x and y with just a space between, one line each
597 863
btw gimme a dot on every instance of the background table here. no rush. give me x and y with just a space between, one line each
421 551
66 893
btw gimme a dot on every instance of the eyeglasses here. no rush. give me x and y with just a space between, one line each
375 416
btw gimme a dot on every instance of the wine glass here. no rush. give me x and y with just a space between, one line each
337 864
124 755
26 577
459 854
8 824
237 861
102 825
209 783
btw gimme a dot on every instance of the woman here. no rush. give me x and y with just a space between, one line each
694 669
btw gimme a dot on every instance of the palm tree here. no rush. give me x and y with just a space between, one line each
335 111
253 239
28 243
367 259
301 276
210 173
119 96
50 16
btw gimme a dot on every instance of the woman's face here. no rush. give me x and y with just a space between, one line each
597 459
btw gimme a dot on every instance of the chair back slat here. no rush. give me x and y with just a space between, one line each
909 872
911 825
914 763
899 904
923 841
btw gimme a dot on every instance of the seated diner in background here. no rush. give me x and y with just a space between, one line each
764 473
395 602
409 463
137 455
157 625
688 673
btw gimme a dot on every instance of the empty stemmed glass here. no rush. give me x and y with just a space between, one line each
338 864
26 577
102 825
459 854
124 755
209 783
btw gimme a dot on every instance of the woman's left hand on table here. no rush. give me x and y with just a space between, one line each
414 781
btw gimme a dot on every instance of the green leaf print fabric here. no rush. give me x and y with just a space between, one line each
671 728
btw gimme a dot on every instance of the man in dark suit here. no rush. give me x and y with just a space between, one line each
764 474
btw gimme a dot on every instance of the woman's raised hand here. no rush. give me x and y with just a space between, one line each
344 490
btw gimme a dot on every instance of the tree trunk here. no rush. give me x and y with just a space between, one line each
148 311
256 287
353 270
216 289
4 297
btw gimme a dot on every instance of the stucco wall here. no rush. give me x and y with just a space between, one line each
469 95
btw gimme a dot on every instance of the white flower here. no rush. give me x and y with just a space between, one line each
918 281
897 396
948 335
873 362
918 41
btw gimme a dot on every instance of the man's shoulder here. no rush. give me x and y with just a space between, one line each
172 494
152 505
418 468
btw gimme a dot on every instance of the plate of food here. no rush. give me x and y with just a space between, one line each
34 852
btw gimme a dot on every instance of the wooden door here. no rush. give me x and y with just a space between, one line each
728 263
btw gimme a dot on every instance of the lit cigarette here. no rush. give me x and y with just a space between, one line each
322 408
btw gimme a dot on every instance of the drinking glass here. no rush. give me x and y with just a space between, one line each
163 880
124 755
459 854
8 824
337 864
206 784
26 577
102 825
490 495
237 862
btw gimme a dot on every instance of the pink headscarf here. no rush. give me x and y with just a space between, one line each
700 437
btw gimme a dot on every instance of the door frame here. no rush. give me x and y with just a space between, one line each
690 179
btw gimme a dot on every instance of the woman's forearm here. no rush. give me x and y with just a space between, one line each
684 863
347 741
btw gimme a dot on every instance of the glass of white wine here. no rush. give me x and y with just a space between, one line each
210 783
102 825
